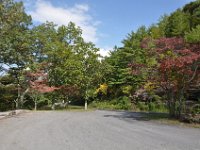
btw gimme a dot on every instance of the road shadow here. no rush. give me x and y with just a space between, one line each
140 116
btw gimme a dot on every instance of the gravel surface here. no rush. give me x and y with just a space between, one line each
95 130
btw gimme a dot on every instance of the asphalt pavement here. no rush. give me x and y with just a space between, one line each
93 130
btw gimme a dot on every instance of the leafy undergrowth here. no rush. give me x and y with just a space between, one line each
69 108
124 103
121 103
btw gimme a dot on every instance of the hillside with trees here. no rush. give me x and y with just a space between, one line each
157 68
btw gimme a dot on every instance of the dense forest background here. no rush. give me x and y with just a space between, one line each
156 69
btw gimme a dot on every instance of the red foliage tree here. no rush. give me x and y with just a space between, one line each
68 91
177 68
38 83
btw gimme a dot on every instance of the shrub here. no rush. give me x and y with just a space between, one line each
195 109
152 106
121 103
142 106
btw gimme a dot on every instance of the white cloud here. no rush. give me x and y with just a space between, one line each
105 51
79 14
82 7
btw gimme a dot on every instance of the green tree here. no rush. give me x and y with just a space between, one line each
88 66
8 92
162 24
14 42
178 24
70 61
194 35
193 10
120 60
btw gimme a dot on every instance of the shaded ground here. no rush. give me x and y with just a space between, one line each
94 130
140 116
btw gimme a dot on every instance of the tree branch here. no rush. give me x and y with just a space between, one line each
194 74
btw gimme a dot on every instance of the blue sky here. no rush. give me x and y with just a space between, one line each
104 22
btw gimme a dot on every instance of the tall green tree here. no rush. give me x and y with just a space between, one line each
162 24
193 36
70 61
8 92
193 11
15 40
120 60
178 24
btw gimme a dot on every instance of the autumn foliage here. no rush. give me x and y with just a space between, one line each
176 69
38 81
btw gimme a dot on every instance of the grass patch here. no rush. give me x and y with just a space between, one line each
164 118
75 107
123 103
152 107
69 108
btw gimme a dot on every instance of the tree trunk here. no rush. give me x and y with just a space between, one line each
18 97
67 103
171 104
85 104
16 104
22 96
35 105
181 102
172 111
53 107
86 98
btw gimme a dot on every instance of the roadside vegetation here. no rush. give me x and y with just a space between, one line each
48 66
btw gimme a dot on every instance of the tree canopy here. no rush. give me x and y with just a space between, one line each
155 66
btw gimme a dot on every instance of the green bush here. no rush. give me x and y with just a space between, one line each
45 108
124 103
152 106
121 103
161 107
5 106
142 106
195 109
